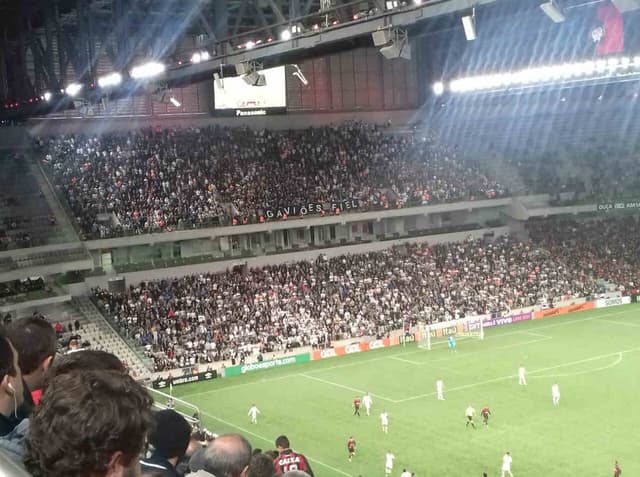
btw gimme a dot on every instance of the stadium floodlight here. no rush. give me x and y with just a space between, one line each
438 88
175 102
113 79
391 4
147 70
469 25
73 89
47 96
250 44
300 75
553 11
285 35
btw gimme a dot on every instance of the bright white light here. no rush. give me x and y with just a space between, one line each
438 88
147 70
285 35
205 56
47 96
250 44
114 79
196 58
73 89
417 2
175 102
625 61
601 65
613 63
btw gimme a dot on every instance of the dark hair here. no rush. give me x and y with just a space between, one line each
283 441
35 340
7 367
261 465
86 360
83 419
227 455
170 434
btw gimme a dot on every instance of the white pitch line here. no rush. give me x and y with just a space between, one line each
623 323
587 371
270 441
349 388
397 358
356 363
511 376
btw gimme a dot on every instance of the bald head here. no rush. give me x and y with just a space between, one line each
226 456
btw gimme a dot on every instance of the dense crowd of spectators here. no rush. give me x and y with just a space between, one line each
210 317
156 180
591 172
607 250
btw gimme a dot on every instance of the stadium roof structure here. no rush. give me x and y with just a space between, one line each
46 45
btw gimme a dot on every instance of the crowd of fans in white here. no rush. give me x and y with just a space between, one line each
157 180
210 317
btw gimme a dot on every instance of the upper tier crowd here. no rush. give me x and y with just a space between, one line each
157 180
210 317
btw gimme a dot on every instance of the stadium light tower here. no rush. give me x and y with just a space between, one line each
147 70
438 88
469 25
553 11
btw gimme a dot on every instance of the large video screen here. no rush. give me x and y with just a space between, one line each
237 98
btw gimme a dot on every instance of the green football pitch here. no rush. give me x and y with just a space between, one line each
593 356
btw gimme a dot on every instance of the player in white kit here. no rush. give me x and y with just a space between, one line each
555 394
253 412
384 420
522 376
440 389
367 403
506 465
388 465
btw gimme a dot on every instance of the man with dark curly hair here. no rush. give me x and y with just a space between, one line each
88 424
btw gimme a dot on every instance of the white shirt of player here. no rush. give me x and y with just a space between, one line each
470 411
384 418
506 464
388 465
522 376
367 402
555 394
253 412
440 389
406 473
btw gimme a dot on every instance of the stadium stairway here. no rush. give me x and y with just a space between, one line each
103 336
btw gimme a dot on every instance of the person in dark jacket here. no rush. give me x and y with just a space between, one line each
170 436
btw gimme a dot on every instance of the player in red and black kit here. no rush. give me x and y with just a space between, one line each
485 413
617 471
351 447
289 460
356 406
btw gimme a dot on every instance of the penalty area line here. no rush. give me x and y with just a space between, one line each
512 376
349 388
270 441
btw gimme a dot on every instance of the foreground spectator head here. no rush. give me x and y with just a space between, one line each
11 386
170 436
88 424
261 466
35 340
88 360
228 455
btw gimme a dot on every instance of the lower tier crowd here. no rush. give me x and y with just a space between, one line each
220 316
